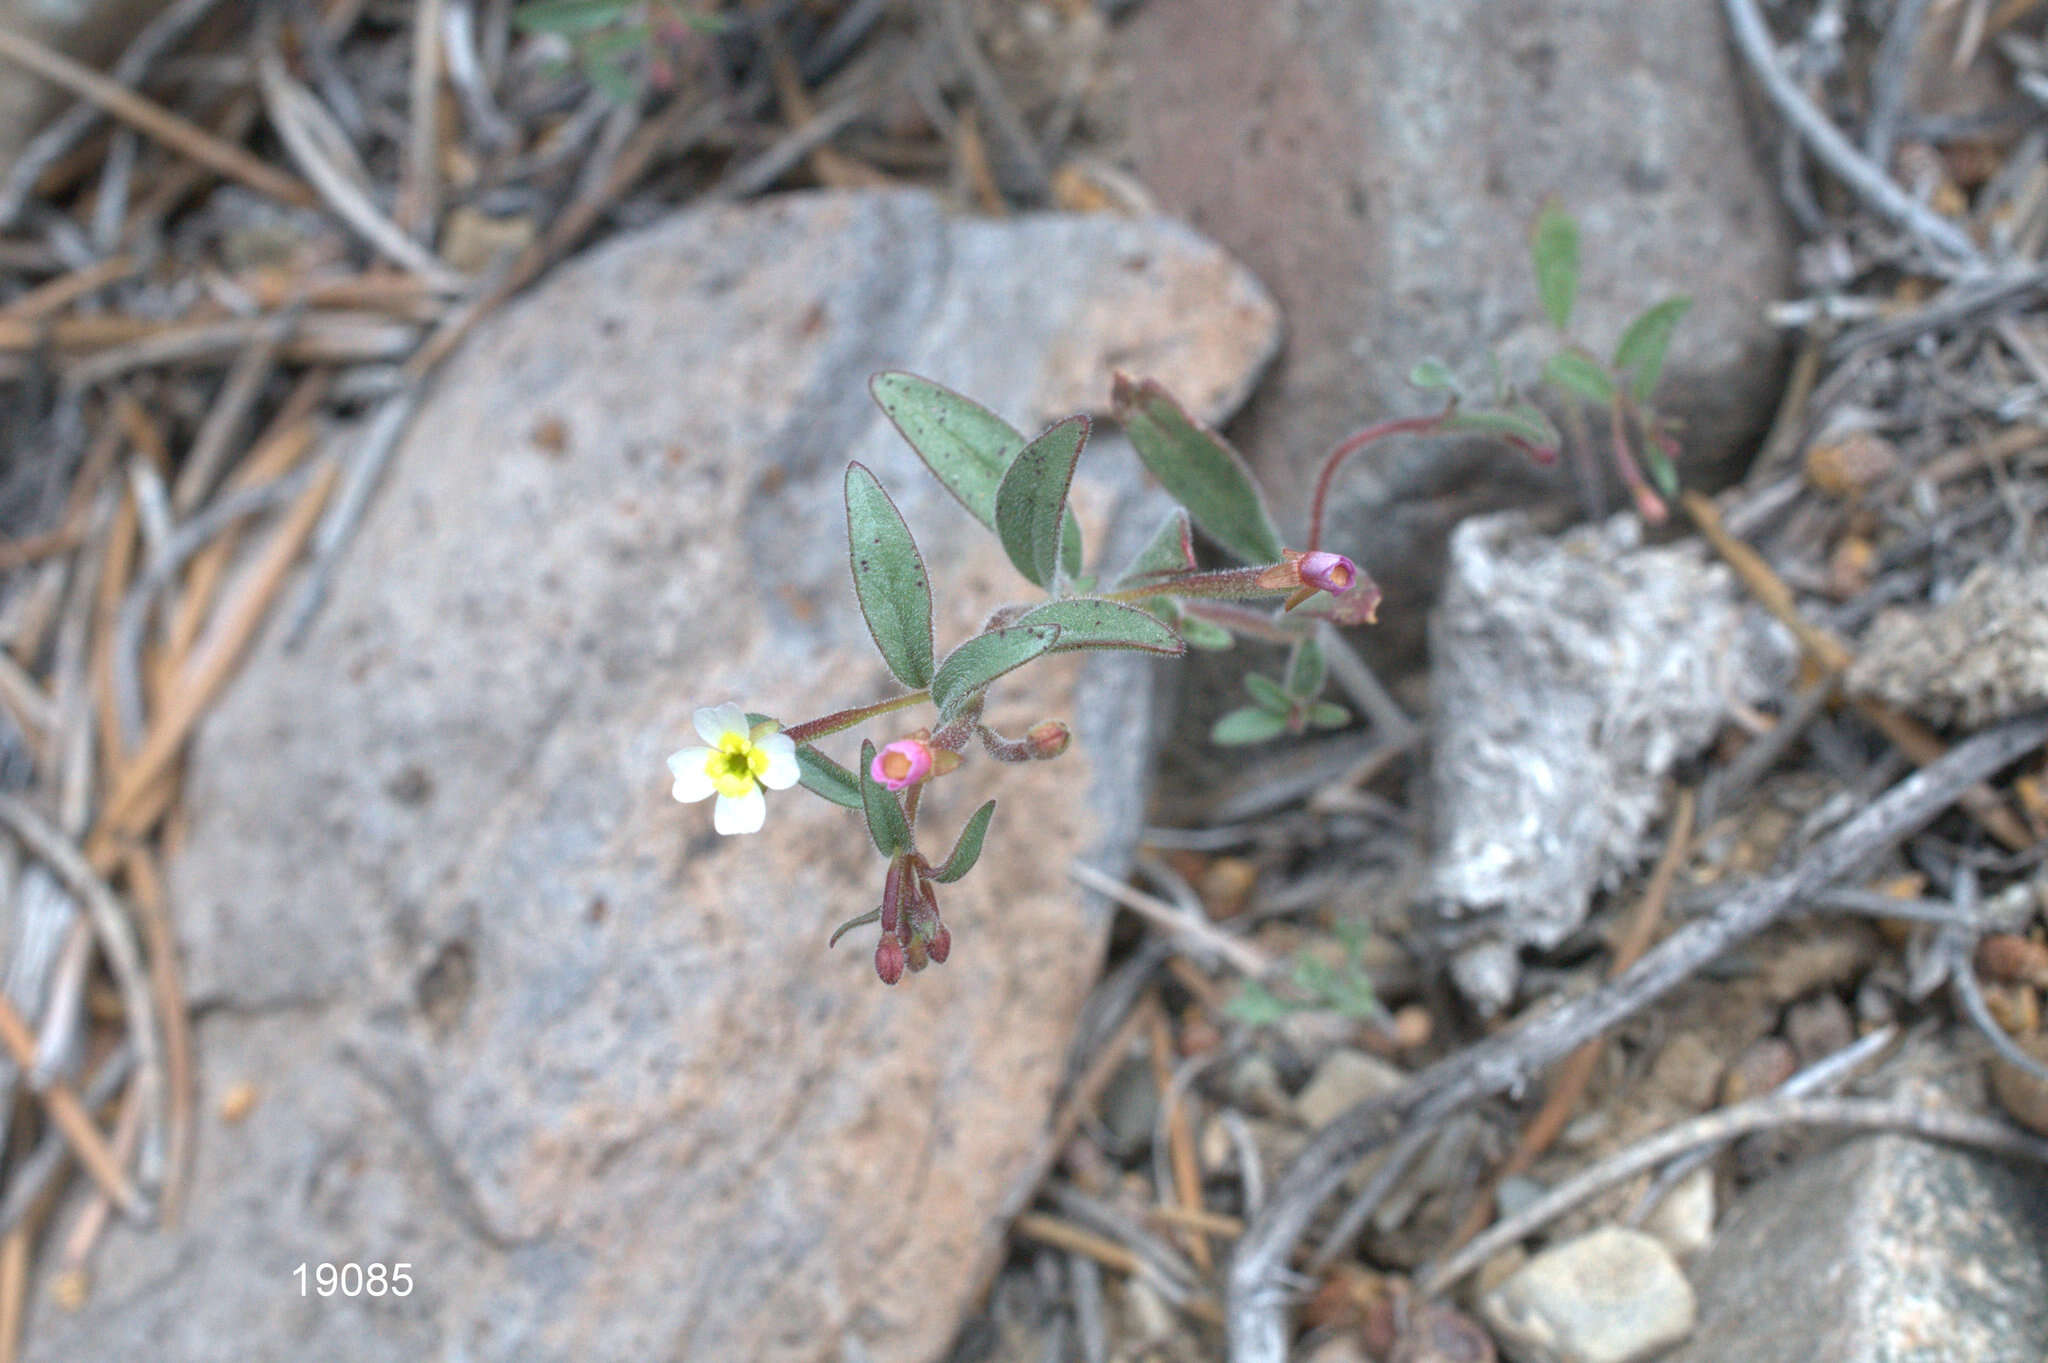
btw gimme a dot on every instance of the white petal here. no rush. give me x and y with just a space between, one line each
744 815
693 782
716 722
782 770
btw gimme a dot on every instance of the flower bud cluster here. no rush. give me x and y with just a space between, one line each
913 935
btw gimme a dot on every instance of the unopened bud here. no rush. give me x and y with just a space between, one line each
1048 739
916 956
941 945
889 960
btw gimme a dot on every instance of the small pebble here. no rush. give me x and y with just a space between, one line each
1818 1026
1344 1079
1684 1218
1610 1296
1762 1066
238 1102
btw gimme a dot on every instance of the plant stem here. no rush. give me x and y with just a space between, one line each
1412 425
840 720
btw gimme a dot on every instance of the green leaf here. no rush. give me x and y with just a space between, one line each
1170 550
820 775
871 916
1269 694
1201 472
967 447
967 848
982 659
1581 376
1305 670
889 578
1204 634
1257 1006
1554 251
1662 476
886 824
1524 423
1248 725
617 84
1090 622
1431 373
1031 501
1641 352
569 16
1327 714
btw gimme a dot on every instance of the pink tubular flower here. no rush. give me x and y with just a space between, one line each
902 764
889 960
1333 573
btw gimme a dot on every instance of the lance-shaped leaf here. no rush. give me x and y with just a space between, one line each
972 666
820 775
1327 714
1170 550
1031 501
889 578
1201 472
1268 694
967 447
1086 622
967 849
1581 376
1430 372
1640 354
1554 251
886 824
1305 670
1249 725
1522 422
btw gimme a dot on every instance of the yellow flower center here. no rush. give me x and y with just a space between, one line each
895 765
734 765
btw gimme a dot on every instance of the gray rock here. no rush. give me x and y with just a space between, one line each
517 1017
1881 1250
1979 657
1344 1079
1684 1217
1570 675
1379 166
1609 1296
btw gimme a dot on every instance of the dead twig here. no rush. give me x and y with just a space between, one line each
1868 181
61 1101
1200 937
147 116
1256 1318
1718 1128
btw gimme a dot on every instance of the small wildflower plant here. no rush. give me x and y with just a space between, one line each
1163 601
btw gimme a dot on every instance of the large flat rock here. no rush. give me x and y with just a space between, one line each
514 1016
1882 1250
1379 162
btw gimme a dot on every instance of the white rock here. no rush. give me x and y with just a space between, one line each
1344 1078
1684 1219
1610 1296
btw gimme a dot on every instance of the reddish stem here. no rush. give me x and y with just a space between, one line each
813 729
1411 425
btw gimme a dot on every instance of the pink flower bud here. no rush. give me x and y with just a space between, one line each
916 956
1048 738
1333 573
902 764
889 960
941 946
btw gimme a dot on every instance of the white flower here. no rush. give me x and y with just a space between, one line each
738 762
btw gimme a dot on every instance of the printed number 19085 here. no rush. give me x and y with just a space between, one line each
355 1280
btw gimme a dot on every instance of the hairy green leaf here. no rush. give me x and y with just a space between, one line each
820 775
1248 725
967 848
889 578
1554 251
1663 477
1089 622
1031 501
1305 670
1640 354
1269 694
967 447
1204 634
1522 422
1581 376
886 824
1201 472
1328 714
1170 550
982 659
